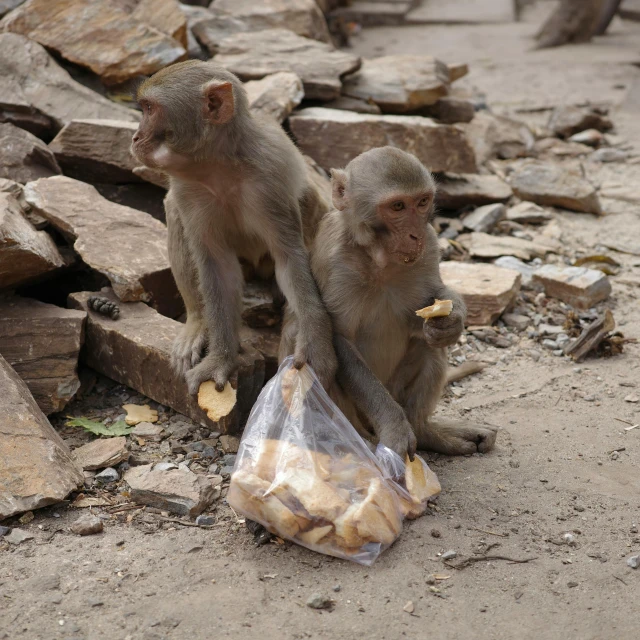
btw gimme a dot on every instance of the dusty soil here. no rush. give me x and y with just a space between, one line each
563 463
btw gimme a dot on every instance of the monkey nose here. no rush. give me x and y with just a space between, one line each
136 137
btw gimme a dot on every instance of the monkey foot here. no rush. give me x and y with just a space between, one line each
212 367
457 438
188 348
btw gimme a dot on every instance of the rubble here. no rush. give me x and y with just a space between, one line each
148 431
127 246
525 270
253 55
333 137
51 98
87 524
24 157
483 219
101 453
458 191
578 286
487 290
528 213
493 136
450 110
25 254
179 491
567 121
42 343
136 351
37 468
484 245
517 321
106 38
96 150
591 337
276 95
551 185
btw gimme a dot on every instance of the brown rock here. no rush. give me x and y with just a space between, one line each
578 286
565 121
42 343
457 70
136 351
555 148
551 185
96 150
400 83
36 468
24 157
11 187
450 110
87 524
344 103
528 213
498 137
372 13
333 138
254 55
9 5
266 342
275 96
483 245
458 191
101 453
229 444
483 219
153 176
487 290
51 98
25 254
148 431
211 27
176 490
127 246
165 15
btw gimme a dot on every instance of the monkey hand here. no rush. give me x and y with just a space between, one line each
189 346
213 367
320 354
399 438
443 331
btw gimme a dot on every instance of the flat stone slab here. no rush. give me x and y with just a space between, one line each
463 12
42 343
528 213
24 157
36 468
487 290
136 350
333 138
101 453
484 245
126 245
276 95
483 219
578 286
458 191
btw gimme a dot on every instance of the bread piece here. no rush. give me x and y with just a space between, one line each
347 536
315 535
371 522
217 404
410 508
387 500
438 309
421 482
352 473
273 456
296 383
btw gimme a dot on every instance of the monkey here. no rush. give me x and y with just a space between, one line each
238 191
376 261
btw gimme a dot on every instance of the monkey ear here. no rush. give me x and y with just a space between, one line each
219 104
338 188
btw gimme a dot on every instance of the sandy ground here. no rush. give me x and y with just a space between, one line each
552 472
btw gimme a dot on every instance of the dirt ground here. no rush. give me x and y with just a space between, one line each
563 461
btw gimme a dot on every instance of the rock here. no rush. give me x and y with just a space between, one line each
108 39
566 121
525 270
276 95
254 55
553 148
578 286
633 561
230 444
632 397
609 154
483 245
101 453
42 343
86 525
153 176
399 83
300 16
148 431
210 27
487 290
107 476
25 254
457 70
590 338
449 555
494 136
485 218
136 351
528 213
96 150
128 246
37 468
590 137
9 5
11 187
179 491
165 15
551 185
205 521
463 11
24 157
333 138
516 320
319 601
450 110
18 536
344 103
258 308
51 98
373 12
458 191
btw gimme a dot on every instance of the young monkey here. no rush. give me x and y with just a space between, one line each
375 259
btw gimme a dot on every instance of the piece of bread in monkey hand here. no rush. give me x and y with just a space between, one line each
217 404
438 309
296 383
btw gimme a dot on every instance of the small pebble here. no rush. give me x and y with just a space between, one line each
87 525
633 562
4 531
435 533
631 398
165 466
107 476
572 584
449 555
319 601
336 587
17 536
205 520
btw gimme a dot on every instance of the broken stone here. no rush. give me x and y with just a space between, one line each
18 536
528 213
457 70
96 150
591 337
487 290
179 491
37 468
106 476
87 524
300 16
106 38
319 601
609 154
590 137
550 185
139 413
128 246
42 343
333 138
450 110
344 103
51 98
25 254
399 83
101 453
24 157
483 245
516 320
11 187
136 351
164 15
566 121
276 95
578 286
253 55
633 561
554 148
463 11
148 431
229 444
494 136
458 191
485 218
9 5
210 27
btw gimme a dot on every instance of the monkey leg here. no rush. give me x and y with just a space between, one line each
417 386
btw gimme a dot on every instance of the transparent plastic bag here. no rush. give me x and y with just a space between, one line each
304 473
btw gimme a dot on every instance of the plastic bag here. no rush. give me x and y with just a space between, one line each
304 473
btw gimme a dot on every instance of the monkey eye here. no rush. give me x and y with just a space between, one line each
398 206
424 202
148 107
